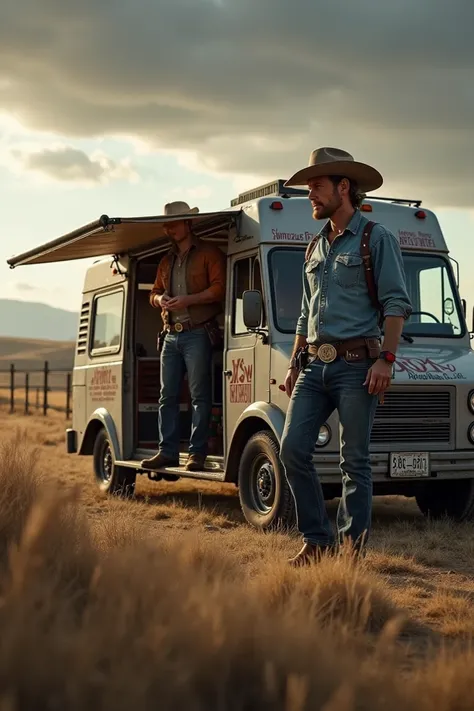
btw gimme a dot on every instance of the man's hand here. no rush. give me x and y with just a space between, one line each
290 380
177 303
379 378
160 300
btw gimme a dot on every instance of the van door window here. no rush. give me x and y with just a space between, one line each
247 275
258 285
107 325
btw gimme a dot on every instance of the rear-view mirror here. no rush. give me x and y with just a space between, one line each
252 307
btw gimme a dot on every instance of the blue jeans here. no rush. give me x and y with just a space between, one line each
319 390
189 351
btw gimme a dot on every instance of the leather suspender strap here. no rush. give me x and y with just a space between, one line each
368 268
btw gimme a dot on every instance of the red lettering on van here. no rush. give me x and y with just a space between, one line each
241 382
103 386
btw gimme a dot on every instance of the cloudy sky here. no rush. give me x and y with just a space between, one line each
117 107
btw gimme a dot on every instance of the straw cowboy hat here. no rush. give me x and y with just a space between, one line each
334 161
173 209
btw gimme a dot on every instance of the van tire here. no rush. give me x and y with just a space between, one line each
265 497
118 481
453 499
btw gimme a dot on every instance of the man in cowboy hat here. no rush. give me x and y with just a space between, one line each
339 330
190 289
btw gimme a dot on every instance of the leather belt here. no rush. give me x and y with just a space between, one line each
186 326
352 350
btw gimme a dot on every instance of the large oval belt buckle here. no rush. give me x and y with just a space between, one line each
178 327
327 353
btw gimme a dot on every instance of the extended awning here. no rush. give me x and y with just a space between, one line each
119 236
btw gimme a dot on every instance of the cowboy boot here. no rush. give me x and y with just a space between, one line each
195 463
311 553
159 461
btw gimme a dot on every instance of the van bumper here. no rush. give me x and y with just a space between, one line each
71 441
443 465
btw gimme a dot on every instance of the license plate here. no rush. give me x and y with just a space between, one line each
409 464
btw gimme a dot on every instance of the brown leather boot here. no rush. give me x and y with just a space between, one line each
159 461
195 463
310 553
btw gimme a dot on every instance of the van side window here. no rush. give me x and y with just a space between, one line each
241 283
107 325
247 275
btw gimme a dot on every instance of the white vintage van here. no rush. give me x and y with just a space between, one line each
423 438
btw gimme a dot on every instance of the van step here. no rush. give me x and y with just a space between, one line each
213 470
211 473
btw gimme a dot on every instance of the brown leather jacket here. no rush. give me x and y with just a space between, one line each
205 268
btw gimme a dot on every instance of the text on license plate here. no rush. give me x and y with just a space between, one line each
409 464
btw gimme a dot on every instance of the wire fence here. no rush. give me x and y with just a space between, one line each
40 389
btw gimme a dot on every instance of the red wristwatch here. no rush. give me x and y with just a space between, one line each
388 357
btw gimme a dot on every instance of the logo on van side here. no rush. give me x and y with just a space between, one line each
241 382
103 385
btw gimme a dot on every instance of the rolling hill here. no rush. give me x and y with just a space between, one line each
26 319
30 353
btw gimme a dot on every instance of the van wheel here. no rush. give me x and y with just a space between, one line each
119 481
451 499
265 497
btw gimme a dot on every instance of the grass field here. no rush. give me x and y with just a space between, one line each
172 602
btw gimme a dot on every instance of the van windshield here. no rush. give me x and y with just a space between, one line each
436 306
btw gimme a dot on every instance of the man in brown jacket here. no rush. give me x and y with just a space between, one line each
190 290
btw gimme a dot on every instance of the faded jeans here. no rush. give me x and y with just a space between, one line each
319 390
189 351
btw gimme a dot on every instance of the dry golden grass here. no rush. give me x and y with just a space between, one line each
172 602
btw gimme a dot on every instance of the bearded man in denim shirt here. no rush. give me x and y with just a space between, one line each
339 327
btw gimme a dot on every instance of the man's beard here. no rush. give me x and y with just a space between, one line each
328 210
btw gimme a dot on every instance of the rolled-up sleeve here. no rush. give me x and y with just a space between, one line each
302 324
389 274
158 288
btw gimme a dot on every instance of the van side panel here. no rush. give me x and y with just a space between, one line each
97 376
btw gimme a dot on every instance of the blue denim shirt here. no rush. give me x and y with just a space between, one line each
336 304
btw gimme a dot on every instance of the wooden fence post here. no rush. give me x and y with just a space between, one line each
68 396
37 397
45 388
12 388
27 393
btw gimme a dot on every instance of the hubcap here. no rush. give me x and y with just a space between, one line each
107 463
263 486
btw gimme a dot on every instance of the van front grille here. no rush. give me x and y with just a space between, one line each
413 417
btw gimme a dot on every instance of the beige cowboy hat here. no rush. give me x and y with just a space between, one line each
334 161
179 207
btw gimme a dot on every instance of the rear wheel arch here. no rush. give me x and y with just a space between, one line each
90 435
100 419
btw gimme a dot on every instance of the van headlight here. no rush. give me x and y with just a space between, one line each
470 433
324 436
470 401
